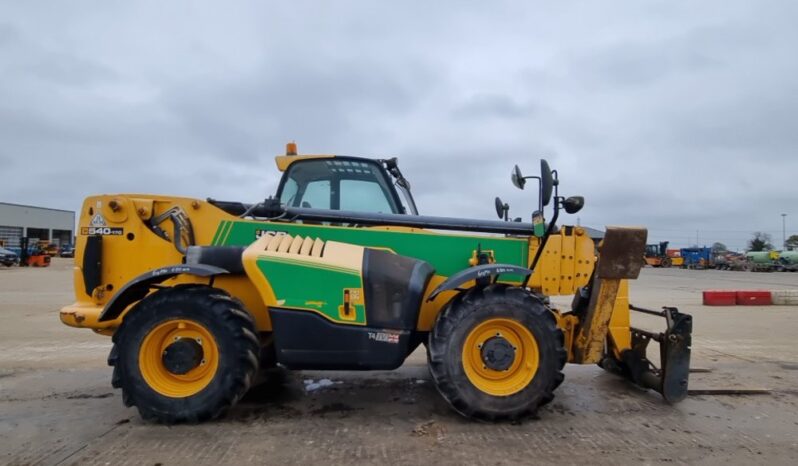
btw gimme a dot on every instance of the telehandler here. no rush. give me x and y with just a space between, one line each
339 271
658 255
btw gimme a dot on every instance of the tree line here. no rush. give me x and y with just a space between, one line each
759 242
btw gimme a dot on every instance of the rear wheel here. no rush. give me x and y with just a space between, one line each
496 353
184 354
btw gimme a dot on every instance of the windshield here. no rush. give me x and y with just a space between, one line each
338 184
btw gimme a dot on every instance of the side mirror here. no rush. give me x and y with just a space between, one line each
546 182
518 178
501 208
573 204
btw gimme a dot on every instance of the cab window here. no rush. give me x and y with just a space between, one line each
338 184
363 196
317 195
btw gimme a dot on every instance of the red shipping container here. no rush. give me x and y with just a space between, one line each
720 298
754 298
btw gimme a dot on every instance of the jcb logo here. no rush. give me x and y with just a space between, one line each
103 231
261 233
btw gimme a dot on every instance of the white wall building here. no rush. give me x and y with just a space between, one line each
54 225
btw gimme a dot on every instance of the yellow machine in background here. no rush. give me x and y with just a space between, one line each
339 271
658 255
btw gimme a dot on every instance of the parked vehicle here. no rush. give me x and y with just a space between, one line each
788 261
762 261
731 261
67 251
658 255
698 258
32 256
8 258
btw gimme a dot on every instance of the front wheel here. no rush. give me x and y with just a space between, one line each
184 354
496 353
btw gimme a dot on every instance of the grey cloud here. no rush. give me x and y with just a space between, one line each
285 99
8 34
494 105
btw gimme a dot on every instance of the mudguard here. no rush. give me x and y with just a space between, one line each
477 272
138 288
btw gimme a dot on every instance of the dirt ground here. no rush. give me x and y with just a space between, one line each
57 405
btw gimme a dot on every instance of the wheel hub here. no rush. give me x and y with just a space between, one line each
498 354
183 355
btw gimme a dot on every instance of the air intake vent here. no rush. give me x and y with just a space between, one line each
287 244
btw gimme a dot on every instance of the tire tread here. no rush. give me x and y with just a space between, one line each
460 309
235 325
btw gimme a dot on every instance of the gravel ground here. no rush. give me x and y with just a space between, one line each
57 405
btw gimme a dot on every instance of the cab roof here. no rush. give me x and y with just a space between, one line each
291 156
285 161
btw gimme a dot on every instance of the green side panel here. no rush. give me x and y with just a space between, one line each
447 253
218 234
225 231
306 286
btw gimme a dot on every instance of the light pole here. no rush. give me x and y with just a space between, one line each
784 232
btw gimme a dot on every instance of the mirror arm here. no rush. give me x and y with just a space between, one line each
556 185
545 240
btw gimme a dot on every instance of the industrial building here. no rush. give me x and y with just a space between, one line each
596 235
17 221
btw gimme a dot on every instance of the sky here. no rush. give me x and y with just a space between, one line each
680 116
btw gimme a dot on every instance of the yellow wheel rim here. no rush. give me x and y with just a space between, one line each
524 364
156 374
